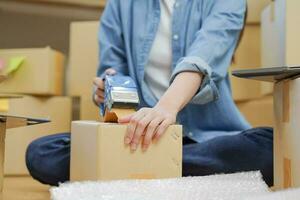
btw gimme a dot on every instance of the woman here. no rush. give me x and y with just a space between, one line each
178 52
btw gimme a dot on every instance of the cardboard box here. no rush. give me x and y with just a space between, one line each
41 72
280 33
255 8
248 55
248 52
258 112
88 3
57 109
286 134
287 137
83 66
98 153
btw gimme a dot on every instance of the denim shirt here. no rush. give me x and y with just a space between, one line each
204 38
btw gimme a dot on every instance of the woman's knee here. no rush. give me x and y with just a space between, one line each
48 159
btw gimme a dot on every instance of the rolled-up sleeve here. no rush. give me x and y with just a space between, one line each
211 52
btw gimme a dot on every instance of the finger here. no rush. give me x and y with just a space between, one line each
99 100
99 83
140 129
125 119
132 126
151 128
161 130
99 93
110 71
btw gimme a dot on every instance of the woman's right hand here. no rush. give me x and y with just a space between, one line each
99 87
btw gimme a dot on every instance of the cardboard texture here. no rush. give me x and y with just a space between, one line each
248 55
7 122
83 58
258 112
286 138
87 3
255 8
2 150
57 109
281 33
40 71
98 153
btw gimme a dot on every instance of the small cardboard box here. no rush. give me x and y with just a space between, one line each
259 112
57 109
84 57
98 153
40 73
287 135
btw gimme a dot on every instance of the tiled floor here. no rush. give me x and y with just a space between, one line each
24 188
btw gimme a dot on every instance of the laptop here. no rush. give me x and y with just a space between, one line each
272 74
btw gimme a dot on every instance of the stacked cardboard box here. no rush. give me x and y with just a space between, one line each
248 55
39 74
251 95
280 48
83 66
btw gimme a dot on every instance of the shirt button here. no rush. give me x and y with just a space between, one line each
191 134
176 5
176 37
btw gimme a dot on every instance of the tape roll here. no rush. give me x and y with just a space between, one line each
114 114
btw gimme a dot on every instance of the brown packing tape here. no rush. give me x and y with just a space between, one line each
286 101
287 173
114 114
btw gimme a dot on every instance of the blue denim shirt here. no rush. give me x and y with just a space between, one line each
205 35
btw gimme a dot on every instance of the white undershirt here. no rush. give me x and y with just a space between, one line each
158 68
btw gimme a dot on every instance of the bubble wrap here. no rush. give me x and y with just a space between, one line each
217 187
292 194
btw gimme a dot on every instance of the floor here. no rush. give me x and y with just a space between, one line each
24 188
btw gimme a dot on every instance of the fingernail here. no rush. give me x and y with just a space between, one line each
144 148
133 147
127 140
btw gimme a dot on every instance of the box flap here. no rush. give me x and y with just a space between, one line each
272 74
16 121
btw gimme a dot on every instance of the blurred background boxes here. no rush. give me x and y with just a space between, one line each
39 71
254 10
281 33
83 66
258 112
249 94
57 109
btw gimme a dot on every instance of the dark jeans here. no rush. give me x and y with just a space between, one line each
48 158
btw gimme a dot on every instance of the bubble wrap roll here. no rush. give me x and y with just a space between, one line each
217 187
292 194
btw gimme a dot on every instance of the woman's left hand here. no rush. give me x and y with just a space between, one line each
147 124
